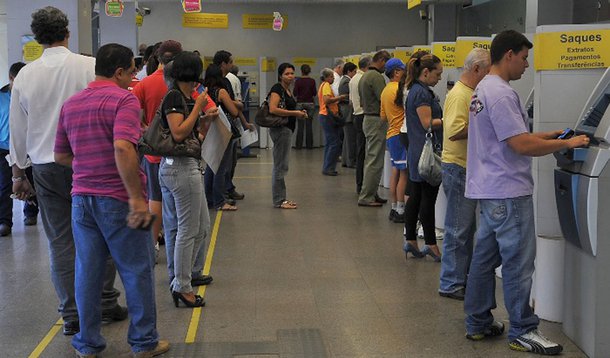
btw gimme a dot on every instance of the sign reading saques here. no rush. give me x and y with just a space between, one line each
572 50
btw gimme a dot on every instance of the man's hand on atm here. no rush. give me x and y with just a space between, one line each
578 141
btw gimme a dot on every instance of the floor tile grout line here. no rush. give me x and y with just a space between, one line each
47 339
191 334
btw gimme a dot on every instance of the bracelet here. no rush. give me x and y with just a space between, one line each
18 179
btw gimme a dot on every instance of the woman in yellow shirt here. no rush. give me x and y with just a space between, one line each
328 109
394 115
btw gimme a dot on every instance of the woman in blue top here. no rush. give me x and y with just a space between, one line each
422 111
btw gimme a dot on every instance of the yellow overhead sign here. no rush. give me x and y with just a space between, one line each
203 20
572 50
413 3
269 64
421 48
446 52
245 61
299 61
464 46
260 21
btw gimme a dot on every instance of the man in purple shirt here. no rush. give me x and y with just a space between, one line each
499 175
97 135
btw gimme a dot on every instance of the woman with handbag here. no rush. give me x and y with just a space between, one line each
216 183
423 111
331 121
185 214
282 103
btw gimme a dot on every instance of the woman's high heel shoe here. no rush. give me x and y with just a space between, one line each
428 251
177 296
407 247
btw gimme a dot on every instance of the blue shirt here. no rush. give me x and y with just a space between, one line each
5 105
420 95
494 170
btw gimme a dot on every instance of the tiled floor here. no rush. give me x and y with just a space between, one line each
329 267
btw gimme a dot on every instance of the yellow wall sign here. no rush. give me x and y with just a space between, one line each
139 20
464 46
31 51
269 64
245 61
207 60
421 48
574 50
446 52
203 20
299 61
260 21
413 3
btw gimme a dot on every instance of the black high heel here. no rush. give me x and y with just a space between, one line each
177 296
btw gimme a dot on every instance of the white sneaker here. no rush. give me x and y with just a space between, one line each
535 342
440 234
420 230
157 249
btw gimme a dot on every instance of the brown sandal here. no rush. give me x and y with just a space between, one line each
287 204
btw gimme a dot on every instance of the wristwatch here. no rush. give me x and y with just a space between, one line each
17 179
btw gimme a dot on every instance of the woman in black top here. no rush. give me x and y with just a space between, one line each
282 103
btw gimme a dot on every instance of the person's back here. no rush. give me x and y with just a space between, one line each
370 87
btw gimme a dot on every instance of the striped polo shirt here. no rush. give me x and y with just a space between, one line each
89 123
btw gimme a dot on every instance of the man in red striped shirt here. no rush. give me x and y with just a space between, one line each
97 135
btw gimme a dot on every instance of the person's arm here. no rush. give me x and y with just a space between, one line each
239 105
126 158
425 116
64 159
330 100
228 103
180 127
548 135
18 128
535 146
378 86
245 123
274 103
459 124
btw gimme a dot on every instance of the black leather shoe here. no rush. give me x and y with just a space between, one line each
114 314
456 295
31 221
332 174
236 196
230 201
202 280
71 328
5 230
379 199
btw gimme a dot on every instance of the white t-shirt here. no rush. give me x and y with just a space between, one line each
235 85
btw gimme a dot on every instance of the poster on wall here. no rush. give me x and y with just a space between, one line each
114 8
262 21
203 20
30 48
191 5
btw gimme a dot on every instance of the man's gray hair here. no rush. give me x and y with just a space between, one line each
477 56
325 73
339 62
365 62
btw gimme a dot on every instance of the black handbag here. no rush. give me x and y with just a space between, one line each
265 119
157 139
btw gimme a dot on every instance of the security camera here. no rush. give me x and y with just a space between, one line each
423 15
146 11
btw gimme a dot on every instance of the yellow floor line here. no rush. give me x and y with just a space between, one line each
46 340
191 334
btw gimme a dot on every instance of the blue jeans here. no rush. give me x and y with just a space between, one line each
100 229
281 137
186 219
216 184
506 236
332 148
460 225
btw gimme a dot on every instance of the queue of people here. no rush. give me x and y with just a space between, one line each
101 204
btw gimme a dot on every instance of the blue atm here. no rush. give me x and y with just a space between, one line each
582 192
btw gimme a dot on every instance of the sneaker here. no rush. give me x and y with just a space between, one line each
399 218
535 342
392 215
456 295
495 329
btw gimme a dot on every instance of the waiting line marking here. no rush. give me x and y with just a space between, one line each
47 339
191 334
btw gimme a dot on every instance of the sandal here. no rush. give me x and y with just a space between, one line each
227 207
287 204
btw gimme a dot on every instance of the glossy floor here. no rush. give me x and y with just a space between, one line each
328 279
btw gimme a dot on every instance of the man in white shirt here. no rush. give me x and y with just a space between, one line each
354 98
337 73
38 94
235 82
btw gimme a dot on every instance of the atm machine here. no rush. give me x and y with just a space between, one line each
582 191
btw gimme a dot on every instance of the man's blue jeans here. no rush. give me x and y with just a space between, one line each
506 236
100 229
332 147
460 225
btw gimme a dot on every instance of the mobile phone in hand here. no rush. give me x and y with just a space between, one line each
567 134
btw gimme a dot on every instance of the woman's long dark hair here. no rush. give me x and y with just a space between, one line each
213 77
417 63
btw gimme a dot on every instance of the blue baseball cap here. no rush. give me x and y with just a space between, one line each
393 64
